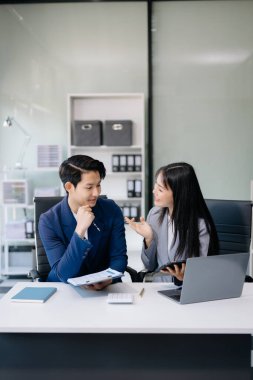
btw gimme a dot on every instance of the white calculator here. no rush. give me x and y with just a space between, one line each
120 298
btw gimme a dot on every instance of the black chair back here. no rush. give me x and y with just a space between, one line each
41 205
232 220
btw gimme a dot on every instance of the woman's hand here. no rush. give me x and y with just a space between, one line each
176 272
142 228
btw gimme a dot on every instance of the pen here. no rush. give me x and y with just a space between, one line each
141 292
94 224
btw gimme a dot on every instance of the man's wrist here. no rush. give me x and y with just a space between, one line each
80 236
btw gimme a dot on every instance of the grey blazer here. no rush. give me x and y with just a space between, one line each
158 254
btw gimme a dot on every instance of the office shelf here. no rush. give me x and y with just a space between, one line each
111 106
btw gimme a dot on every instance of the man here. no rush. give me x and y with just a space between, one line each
83 234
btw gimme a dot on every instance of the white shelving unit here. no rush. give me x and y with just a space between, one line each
103 107
113 106
16 214
16 256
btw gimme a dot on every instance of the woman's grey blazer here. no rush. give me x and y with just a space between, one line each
157 254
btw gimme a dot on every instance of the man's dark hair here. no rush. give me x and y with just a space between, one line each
71 170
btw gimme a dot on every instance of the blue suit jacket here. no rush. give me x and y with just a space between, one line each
71 256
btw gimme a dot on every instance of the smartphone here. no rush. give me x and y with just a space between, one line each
171 265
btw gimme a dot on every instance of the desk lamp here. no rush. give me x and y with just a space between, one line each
10 122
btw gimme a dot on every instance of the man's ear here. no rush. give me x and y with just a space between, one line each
68 186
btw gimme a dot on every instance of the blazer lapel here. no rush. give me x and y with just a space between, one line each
95 231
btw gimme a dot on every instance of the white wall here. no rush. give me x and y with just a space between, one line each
50 50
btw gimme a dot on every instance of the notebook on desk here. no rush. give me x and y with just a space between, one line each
211 278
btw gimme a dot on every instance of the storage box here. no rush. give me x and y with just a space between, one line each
87 132
117 132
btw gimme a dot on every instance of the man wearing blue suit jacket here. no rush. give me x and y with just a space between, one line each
83 234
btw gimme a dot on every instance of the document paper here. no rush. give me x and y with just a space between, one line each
94 278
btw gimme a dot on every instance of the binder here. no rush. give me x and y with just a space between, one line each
126 211
130 188
115 163
137 162
134 212
130 163
137 188
29 229
122 162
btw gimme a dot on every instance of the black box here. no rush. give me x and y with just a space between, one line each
117 132
87 132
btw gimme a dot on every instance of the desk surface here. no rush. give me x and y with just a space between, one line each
75 310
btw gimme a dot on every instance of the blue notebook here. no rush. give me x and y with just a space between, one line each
33 294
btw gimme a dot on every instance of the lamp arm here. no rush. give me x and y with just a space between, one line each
21 128
8 123
19 162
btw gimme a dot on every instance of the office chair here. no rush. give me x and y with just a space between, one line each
41 205
232 220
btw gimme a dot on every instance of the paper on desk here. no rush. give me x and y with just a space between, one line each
119 287
94 278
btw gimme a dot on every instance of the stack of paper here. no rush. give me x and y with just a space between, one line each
94 278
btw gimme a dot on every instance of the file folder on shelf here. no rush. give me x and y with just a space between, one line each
137 163
126 211
137 188
130 188
122 162
134 212
115 163
130 162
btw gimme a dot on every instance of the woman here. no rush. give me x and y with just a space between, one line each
179 226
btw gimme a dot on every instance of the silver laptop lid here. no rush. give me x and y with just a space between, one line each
214 277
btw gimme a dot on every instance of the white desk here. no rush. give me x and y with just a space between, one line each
153 330
67 311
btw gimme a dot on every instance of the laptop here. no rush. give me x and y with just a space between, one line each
211 278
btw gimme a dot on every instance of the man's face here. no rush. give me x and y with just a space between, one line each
87 190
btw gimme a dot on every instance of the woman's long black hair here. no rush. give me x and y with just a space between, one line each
189 207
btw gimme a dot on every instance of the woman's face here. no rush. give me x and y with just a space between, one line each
163 197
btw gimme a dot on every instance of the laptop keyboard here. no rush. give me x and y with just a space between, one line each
172 293
176 297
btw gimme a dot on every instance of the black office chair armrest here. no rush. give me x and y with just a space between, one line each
33 274
136 276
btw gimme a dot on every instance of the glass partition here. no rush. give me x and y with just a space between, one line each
203 92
